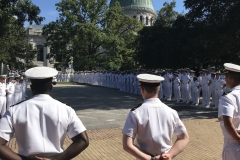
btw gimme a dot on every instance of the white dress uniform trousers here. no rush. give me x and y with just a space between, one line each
195 92
18 93
218 86
10 95
205 91
212 90
160 95
185 88
168 86
2 98
176 89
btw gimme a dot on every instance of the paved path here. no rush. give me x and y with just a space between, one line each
103 111
102 108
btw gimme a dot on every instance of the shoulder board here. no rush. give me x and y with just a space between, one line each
17 103
224 94
136 107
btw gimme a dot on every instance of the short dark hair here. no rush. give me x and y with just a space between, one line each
234 75
151 90
41 85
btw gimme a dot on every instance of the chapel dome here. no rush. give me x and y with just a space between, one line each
135 3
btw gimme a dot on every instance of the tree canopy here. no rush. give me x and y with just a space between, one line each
14 48
94 34
207 35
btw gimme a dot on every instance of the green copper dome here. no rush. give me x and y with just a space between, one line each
135 3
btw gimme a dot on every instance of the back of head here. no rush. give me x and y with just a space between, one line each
151 83
41 79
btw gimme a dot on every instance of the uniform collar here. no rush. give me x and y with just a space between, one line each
42 95
236 88
152 100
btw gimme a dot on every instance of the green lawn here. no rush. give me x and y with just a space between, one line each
72 83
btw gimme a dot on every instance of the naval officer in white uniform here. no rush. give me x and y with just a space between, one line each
3 89
147 133
41 124
229 113
10 91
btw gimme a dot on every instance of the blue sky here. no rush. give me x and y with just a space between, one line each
48 9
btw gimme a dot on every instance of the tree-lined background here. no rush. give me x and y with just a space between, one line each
97 35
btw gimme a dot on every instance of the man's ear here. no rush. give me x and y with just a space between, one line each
31 87
142 89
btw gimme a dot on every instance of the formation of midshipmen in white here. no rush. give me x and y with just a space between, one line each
181 86
64 77
12 92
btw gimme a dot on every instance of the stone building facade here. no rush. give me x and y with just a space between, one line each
35 37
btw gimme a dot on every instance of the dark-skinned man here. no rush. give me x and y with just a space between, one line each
41 124
229 113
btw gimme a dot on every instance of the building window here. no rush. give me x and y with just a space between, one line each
147 21
40 53
141 18
151 22
134 17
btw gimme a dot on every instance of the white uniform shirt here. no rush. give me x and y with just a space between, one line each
200 80
3 88
167 78
176 82
10 88
152 125
230 106
205 80
18 88
218 83
40 125
195 85
185 79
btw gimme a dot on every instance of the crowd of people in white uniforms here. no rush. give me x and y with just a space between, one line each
181 86
12 90
151 124
64 77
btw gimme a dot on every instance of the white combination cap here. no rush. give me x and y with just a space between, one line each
2 76
11 76
17 76
229 67
149 79
41 73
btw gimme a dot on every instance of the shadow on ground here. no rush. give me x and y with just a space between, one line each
83 97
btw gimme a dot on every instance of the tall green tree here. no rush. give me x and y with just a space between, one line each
207 35
155 44
14 48
167 15
218 21
94 34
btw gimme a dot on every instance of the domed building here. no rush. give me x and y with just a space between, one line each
143 10
140 9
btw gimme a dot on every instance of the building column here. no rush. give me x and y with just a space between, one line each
45 60
45 57
144 20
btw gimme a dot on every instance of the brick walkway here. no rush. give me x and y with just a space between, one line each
206 142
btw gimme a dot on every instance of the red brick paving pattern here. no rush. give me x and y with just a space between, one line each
206 143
